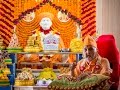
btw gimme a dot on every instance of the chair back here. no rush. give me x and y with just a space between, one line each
107 48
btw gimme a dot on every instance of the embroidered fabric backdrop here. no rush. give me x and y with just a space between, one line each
85 10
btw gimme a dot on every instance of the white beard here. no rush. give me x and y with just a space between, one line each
45 28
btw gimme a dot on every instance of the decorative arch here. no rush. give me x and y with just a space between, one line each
67 30
11 10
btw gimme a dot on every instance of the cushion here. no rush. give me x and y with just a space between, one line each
96 81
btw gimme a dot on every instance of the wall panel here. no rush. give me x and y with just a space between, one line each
108 21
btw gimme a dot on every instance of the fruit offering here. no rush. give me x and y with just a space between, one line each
25 78
4 71
76 45
45 77
33 43
4 81
47 73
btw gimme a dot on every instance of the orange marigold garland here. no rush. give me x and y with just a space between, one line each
6 18
66 29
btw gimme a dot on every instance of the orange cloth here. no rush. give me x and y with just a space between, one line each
89 41
96 66
46 14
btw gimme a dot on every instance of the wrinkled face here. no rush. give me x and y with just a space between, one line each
45 23
89 52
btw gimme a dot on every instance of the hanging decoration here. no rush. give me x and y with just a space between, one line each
14 12
65 29
29 17
6 20
51 4
88 17
63 17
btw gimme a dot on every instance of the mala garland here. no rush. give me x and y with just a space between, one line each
6 19
88 17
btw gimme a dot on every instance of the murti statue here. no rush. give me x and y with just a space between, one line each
50 40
